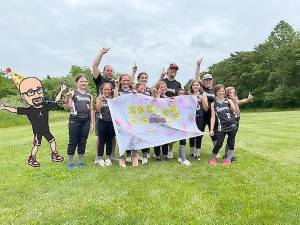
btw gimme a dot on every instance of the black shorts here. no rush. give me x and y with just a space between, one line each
37 139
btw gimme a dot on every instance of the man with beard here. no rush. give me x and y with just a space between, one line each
31 91
172 85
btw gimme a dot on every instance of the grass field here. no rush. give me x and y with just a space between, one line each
262 187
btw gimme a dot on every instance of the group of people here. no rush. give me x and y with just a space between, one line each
217 108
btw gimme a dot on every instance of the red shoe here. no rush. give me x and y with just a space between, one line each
226 162
56 157
212 162
32 161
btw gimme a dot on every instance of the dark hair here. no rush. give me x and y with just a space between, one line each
218 87
194 81
180 89
105 67
140 74
80 76
102 86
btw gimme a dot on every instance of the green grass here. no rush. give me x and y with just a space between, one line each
262 187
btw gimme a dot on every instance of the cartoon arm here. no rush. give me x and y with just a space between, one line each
7 108
63 87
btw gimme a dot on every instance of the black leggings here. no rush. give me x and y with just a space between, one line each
164 148
201 126
78 135
220 139
106 134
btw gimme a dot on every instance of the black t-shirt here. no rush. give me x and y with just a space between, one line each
148 91
101 80
173 86
38 117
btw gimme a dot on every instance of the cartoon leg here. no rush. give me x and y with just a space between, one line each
55 157
36 144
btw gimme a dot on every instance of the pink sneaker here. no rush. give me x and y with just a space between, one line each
212 162
226 162
32 161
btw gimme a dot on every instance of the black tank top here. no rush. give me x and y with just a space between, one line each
199 110
226 118
81 104
104 112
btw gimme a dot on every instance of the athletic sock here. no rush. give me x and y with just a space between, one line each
213 156
229 154
81 158
70 159
192 150
182 153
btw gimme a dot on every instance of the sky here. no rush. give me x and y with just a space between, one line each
40 38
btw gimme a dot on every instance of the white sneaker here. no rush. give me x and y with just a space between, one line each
96 160
145 161
101 162
186 163
108 162
148 156
179 160
128 159
170 155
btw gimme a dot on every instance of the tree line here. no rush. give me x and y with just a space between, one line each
271 72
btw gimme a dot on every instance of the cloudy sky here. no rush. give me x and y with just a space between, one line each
47 37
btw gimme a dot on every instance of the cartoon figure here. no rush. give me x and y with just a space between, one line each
31 91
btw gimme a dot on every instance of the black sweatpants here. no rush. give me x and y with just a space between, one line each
201 126
106 133
78 134
220 139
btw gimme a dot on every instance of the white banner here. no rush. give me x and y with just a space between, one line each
142 121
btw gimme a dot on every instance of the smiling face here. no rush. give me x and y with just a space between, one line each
32 92
221 93
230 93
208 83
125 80
108 72
163 88
106 90
196 86
143 78
82 83
171 73
141 88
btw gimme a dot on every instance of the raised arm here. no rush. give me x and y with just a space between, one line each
63 87
97 61
162 75
197 71
246 100
116 90
134 69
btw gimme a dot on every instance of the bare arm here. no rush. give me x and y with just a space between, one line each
99 103
212 119
92 124
116 90
97 60
134 69
162 75
246 100
197 71
204 101
232 106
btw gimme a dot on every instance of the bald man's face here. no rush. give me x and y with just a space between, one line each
32 92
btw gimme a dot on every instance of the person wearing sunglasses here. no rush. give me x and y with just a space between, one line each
31 91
